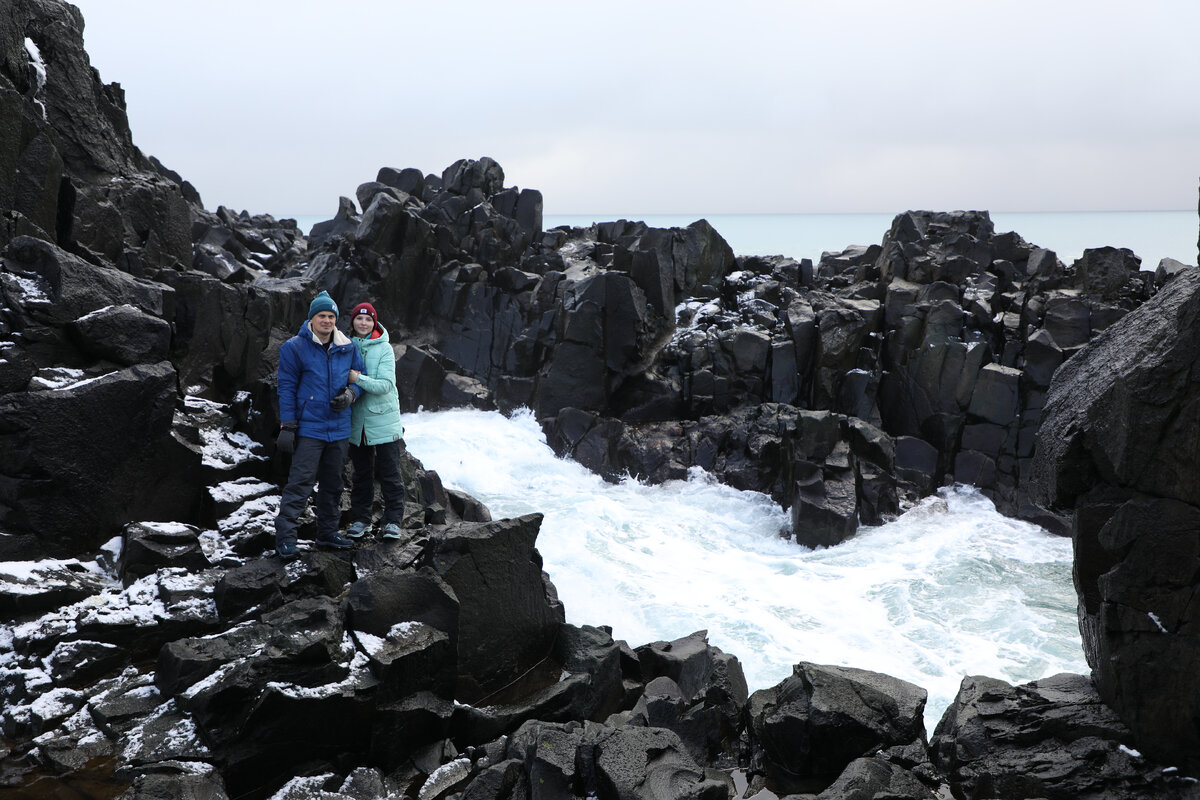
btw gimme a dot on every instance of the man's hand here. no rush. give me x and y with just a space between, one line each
285 442
343 400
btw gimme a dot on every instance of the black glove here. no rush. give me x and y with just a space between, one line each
343 400
285 442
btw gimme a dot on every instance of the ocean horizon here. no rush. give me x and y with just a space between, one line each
1151 235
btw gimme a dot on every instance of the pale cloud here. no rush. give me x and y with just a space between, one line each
698 107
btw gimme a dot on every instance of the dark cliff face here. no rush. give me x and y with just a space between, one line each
1118 446
73 174
111 269
87 117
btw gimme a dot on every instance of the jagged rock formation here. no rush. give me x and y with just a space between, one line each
809 728
162 654
1052 738
1118 448
843 390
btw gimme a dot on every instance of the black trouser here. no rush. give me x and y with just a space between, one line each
380 461
319 462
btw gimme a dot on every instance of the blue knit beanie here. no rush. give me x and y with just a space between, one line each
322 302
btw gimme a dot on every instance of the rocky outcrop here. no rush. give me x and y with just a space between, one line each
72 174
939 342
1052 739
1119 413
694 690
246 676
934 352
330 656
594 760
647 352
1116 448
121 297
71 497
540 319
805 731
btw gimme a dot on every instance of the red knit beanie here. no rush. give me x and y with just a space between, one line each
364 308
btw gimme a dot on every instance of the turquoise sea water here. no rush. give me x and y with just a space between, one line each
1152 235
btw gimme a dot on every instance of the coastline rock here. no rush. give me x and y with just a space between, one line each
148 547
124 335
872 778
28 587
85 459
807 729
139 334
1113 412
694 690
572 760
1052 738
508 613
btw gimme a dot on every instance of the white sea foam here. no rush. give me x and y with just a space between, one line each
950 589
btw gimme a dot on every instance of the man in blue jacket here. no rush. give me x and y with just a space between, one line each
317 371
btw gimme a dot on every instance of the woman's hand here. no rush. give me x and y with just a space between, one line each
354 375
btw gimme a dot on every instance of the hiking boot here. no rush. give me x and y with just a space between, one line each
287 550
357 530
392 531
335 542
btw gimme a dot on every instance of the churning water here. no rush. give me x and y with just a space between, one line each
949 589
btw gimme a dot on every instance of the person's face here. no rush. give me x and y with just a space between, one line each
323 323
363 325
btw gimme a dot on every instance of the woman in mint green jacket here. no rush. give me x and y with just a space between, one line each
376 434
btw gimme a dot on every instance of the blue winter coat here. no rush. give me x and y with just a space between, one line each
378 411
310 376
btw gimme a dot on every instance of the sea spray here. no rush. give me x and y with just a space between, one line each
950 589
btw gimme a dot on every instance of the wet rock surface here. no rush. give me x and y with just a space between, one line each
1119 422
1051 738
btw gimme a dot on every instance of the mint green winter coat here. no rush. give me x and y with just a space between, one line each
378 409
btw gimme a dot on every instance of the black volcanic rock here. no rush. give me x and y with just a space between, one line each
1137 575
467 175
123 334
581 678
137 330
82 461
872 778
1116 412
240 248
1113 448
807 729
226 337
410 180
496 574
1051 738
1104 271
46 586
346 220
695 690
594 760
71 173
147 547
56 287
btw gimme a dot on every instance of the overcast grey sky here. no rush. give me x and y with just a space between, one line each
626 108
